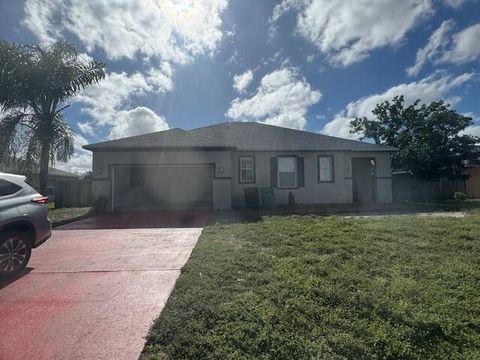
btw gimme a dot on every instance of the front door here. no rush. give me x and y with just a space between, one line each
363 177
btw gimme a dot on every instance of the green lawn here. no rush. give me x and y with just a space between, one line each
327 288
58 216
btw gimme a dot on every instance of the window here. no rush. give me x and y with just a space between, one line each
7 188
325 168
287 172
247 170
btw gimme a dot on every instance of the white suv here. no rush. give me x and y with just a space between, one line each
24 223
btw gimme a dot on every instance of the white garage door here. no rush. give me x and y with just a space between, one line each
162 187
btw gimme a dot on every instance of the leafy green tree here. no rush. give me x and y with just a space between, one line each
429 138
35 84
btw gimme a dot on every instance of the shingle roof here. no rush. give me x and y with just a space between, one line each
248 136
173 138
252 136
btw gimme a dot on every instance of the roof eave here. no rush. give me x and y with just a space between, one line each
153 148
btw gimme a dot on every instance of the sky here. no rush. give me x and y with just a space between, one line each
306 64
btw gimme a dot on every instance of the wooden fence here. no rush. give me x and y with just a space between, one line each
406 187
473 182
73 193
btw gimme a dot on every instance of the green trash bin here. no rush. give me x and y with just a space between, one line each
268 198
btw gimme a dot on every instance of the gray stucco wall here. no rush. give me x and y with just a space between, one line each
228 191
314 192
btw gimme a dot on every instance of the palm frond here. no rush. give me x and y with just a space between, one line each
39 80
8 132
63 142
32 156
15 66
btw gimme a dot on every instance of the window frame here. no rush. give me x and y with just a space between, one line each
295 157
332 159
240 180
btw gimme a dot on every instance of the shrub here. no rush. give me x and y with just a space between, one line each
100 204
460 196
291 199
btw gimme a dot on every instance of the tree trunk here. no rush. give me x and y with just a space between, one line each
44 162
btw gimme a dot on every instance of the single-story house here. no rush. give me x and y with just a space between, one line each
210 167
54 175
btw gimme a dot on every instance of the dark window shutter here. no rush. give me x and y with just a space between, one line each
273 172
300 172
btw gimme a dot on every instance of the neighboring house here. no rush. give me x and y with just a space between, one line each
210 167
54 175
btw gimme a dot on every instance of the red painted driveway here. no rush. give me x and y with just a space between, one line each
92 294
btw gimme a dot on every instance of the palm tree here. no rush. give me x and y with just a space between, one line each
35 83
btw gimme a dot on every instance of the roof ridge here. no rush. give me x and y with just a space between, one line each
209 137
213 125
293 130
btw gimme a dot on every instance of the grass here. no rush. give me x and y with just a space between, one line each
306 287
63 215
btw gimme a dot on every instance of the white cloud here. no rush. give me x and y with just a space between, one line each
241 81
444 47
456 3
79 141
110 99
104 99
140 120
437 41
160 79
86 128
281 99
472 130
435 87
340 127
169 30
159 33
465 48
81 161
348 30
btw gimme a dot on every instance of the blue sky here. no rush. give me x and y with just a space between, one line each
306 64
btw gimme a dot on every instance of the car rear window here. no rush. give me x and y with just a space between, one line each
7 188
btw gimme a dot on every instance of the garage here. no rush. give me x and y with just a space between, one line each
162 187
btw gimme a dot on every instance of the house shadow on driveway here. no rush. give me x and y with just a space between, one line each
142 219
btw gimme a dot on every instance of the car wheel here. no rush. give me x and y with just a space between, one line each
15 251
